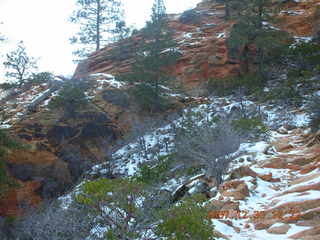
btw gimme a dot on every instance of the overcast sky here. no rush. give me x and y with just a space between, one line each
44 28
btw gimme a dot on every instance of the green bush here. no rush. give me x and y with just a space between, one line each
6 143
112 201
187 220
154 174
287 92
148 100
71 99
249 126
42 77
8 85
221 87
94 192
309 51
247 83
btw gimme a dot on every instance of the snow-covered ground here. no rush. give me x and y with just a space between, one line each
128 159
160 142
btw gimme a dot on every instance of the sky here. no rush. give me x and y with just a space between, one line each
44 28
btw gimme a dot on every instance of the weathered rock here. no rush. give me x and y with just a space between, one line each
307 234
282 229
276 162
260 224
235 189
269 178
282 145
242 172
17 200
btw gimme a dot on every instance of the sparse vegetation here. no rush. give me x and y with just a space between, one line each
6 144
155 174
304 58
314 111
41 77
155 52
247 84
8 85
147 100
118 204
71 98
250 126
19 65
208 144
187 220
97 19
52 222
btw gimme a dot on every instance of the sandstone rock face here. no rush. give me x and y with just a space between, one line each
19 199
300 18
60 149
202 35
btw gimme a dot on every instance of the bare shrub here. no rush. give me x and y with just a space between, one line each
207 144
314 111
51 222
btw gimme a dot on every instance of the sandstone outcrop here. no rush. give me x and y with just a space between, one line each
202 35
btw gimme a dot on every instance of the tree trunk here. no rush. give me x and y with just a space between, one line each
98 25
157 90
227 7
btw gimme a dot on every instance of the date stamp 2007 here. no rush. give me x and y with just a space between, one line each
234 214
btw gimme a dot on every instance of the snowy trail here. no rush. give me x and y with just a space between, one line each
280 204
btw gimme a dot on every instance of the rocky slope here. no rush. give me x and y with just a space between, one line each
61 149
276 196
271 190
202 36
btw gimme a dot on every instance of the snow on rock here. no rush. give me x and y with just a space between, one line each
268 189
4 93
221 35
17 107
5 126
108 79
301 119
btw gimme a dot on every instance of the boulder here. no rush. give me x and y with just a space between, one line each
243 171
235 189
278 229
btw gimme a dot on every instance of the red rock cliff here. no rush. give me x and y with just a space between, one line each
201 38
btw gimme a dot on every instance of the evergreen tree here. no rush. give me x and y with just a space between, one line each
120 33
96 19
253 29
71 98
156 52
20 65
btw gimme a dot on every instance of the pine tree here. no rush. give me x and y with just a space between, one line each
253 29
71 98
96 19
20 65
120 33
156 52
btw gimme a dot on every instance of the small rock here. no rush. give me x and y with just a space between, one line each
282 130
279 229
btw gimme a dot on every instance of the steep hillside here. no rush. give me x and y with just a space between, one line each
268 176
202 35
270 191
